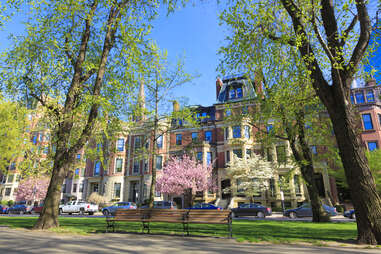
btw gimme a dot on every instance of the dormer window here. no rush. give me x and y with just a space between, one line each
235 91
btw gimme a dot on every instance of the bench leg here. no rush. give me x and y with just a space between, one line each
230 230
145 226
185 228
110 224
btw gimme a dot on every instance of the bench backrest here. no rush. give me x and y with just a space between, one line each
131 214
209 216
165 215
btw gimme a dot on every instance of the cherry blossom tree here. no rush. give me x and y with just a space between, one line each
32 189
250 176
183 174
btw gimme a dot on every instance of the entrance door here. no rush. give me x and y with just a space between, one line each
179 202
225 184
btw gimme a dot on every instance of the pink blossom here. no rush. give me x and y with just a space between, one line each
185 173
32 189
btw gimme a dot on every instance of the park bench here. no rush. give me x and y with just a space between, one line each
183 216
131 215
195 216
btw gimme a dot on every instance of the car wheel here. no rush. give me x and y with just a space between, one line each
70 213
353 216
81 212
293 215
91 213
106 213
60 211
21 212
260 215
234 215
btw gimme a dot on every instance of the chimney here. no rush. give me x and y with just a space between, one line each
371 82
141 101
218 87
176 106
258 85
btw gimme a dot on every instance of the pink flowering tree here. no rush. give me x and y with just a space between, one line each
184 174
32 189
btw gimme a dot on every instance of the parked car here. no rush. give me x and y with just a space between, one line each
162 205
110 210
78 206
20 209
251 210
306 211
3 209
350 214
37 209
205 206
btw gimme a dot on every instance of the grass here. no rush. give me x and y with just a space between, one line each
243 230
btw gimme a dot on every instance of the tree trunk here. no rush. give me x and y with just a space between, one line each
366 200
49 215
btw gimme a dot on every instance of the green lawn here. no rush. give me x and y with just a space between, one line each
243 230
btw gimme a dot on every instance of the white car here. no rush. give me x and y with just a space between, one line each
78 206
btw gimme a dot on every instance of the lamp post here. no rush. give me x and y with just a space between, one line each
282 200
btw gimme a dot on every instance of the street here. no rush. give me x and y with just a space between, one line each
23 241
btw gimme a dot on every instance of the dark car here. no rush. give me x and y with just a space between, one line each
20 209
110 210
251 210
205 206
3 209
162 205
350 214
306 211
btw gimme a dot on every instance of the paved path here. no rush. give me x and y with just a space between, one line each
22 241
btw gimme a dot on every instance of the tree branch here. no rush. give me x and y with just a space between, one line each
363 41
43 103
348 30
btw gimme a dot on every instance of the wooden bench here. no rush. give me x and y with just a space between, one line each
164 215
195 216
183 216
131 215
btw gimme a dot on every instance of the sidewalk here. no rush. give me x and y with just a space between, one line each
25 241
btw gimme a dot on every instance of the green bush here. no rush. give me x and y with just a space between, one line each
10 203
339 208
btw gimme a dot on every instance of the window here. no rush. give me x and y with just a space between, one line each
227 156
8 191
248 153
352 99
159 141
117 187
83 172
46 150
118 165
81 187
245 110
75 188
99 146
281 154
313 150
95 187
370 96
157 194
228 113
232 93
239 92
41 137
120 145
10 178
78 156
360 97
77 171
47 137
208 158
194 136
227 133
239 185
136 166
297 185
145 166
272 187
64 188
18 178
138 142
238 152
208 136
34 140
159 162
199 156
179 139
247 131
97 168
372 145
367 121
236 131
